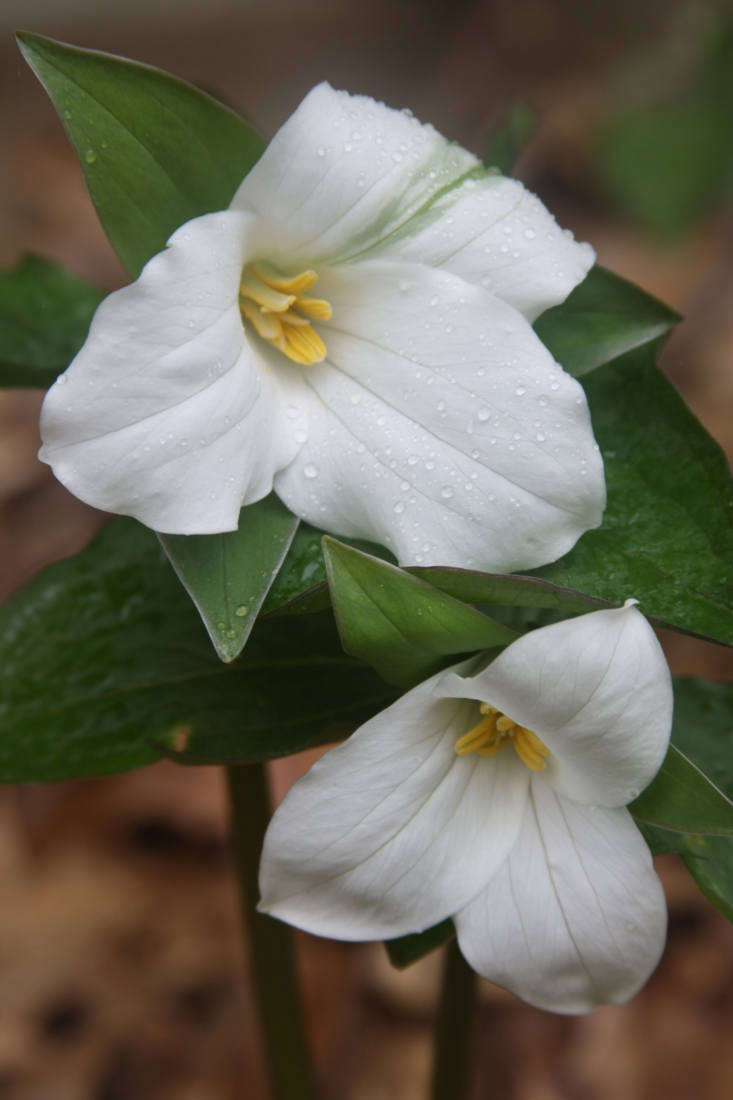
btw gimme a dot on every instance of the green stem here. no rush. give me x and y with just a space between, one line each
453 1028
269 944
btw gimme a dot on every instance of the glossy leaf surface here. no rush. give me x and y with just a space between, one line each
155 151
44 318
227 576
105 666
401 626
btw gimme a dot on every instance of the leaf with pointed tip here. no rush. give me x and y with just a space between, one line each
228 576
105 666
155 151
603 318
398 624
44 317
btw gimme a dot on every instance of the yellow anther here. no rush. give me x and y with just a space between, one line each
317 308
525 750
495 731
274 304
286 284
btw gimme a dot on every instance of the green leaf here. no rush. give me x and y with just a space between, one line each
509 137
155 151
507 590
703 729
603 318
399 624
665 537
44 318
300 587
105 666
406 950
683 799
227 576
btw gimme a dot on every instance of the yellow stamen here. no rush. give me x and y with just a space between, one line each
277 308
286 284
534 760
318 308
495 731
481 736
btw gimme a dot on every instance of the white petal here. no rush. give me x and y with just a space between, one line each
441 427
576 917
342 173
392 831
493 232
168 413
597 691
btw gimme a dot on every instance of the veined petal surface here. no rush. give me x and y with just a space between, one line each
493 232
343 173
596 690
576 916
168 412
392 831
441 427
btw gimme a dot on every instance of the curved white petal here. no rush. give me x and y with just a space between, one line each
342 173
392 831
493 232
168 412
596 690
441 427
576 916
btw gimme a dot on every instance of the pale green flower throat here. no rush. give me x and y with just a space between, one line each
279 310
495 731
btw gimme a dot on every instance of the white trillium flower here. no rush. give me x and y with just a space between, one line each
498 799
407 401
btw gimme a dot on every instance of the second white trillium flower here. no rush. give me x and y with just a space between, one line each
354 332
498 799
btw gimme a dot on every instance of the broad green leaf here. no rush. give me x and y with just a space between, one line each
603 318
709 859
301 581
397 623
509 137
683 799
227 576
703 729
44 318
666 534
406 950
105 666
300 587
154 150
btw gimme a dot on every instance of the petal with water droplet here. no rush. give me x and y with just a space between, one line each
418 388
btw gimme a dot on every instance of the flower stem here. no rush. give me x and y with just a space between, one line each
269 944
454 1028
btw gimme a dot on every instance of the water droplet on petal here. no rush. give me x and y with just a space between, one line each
310 471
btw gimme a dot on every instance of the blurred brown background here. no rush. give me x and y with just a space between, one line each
120 972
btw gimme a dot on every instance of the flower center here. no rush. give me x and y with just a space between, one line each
278 308
495 731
